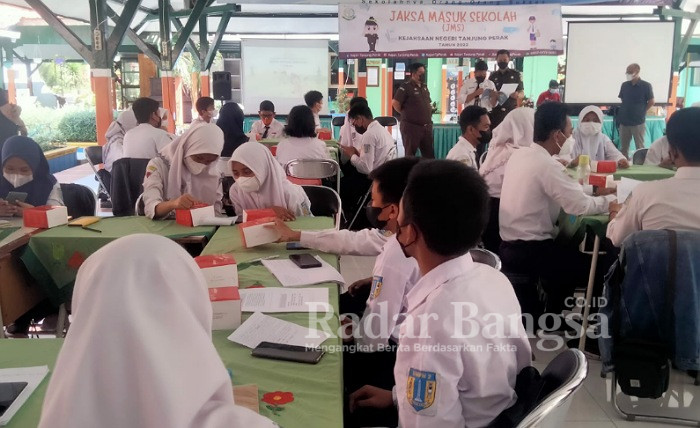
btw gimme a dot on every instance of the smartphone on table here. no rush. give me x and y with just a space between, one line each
14 197
305 261
278 351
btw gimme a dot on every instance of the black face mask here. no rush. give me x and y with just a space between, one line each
502 65
373 214
361 129
485 137
480 79
403 246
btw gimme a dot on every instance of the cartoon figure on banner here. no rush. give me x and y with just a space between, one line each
534 32
371 33
553 44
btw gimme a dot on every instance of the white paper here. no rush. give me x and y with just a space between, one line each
285 300
260 234
214 221
625 188
32 375
291 275
509 88
264 328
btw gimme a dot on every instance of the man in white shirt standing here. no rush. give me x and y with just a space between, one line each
147 139
267 126
314 100
673 203
476 129
452 370
535 189
470 94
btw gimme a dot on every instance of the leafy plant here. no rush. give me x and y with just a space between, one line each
66 78
42 126
78 126
342 101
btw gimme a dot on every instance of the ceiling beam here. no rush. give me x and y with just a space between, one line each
211 53
147 49
62 29
117 37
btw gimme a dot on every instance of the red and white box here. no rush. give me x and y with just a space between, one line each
252 215
45 216
226 308
195 215
257 232
597 180
219 270
603 167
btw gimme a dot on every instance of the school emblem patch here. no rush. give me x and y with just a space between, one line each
421 389
377 282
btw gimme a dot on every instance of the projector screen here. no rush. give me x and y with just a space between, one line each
599 52
282 71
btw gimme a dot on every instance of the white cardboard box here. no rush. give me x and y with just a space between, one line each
226 308
220 270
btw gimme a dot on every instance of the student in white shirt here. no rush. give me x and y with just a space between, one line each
659 153
673 203
476 129
261 184
185 173
348 135
377 144
473 88
514 132
590 140
314 101
147 139
136 376
300 140
445 377
267 127
206 110
113 150
535 189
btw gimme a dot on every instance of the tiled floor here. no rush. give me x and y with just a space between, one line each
591 407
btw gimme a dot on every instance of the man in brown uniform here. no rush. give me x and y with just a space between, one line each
500 77
412 100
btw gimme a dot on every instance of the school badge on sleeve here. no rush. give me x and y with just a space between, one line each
421 389
377 282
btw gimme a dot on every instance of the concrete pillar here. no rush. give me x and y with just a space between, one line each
167 82
102 88
362 84
11 89
205 84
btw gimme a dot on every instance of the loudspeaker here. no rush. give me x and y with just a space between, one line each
222 85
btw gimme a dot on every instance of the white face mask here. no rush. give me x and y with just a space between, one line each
591 128
195 168
553 91
248 184
630 76
18 180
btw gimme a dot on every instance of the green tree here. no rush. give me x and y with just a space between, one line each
69 77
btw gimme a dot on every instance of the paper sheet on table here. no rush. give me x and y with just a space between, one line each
285 300
246 396
291 275
509 88
32 375
214 221
625 188
264 328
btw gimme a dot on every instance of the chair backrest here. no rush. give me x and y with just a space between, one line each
94 154
127 185
338 121
325 202
79 200
561 379
387 120
311 168
639 156
482 255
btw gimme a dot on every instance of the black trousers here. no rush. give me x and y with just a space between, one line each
492 234
560 268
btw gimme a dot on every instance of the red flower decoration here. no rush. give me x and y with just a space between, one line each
76 260
277 398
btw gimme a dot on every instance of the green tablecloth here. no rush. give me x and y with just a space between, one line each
54 256
445 135
318 389
572 228
275 141
326 122
638 172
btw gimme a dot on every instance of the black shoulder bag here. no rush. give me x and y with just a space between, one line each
643 368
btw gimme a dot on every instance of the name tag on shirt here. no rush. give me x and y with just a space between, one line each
377 282
421 389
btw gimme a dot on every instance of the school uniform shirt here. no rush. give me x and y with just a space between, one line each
393 277
317 121
658 151
365 242
535 189
463 152
469 86
662 204
56 196
447 378
276 129
292 148
377 144
349 137
145 141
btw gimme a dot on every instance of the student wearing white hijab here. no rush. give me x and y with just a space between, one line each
261 183
114 149
590 140
185 173
514 132
139 350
